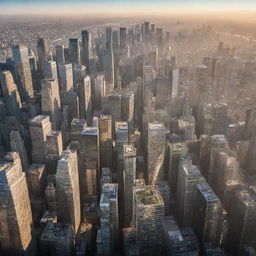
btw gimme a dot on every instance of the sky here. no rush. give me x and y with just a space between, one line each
94 6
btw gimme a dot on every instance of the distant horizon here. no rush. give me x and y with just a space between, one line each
131 7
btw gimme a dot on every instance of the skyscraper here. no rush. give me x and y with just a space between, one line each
50 70
42 52
129 176
86 47
40 127
148 217
16 217
127 109
66 77
67 186
60 57
123 39
11 94
109 218
50 101
156 146
23 75
74 51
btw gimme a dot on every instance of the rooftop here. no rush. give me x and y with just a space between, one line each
207 192
90 131
148 196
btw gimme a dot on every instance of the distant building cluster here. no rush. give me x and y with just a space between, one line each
110 147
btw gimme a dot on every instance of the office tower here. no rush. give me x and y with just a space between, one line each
106 141
99 91
188 177
127 109
115 40
42 52
50 101
108 61
148 217
86 48
36 179
57 239
146 31
85 99
74 52
50 70
50 196
123 39
79 75
250 123
114 106
89 162
40 127
129 241
60 57
65 77
218 143
109 218
175 82
11 94
208 215
242 220
106 176
164 189
16 217
156 141
220 118
77 126
23 76
67 188
54 150
179 241
159 36
129 176
17 145
251 159
121 135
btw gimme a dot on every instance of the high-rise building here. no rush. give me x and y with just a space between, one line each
148 217
89 162
85 99
127 109
16 216
77 126
40 127
60 57
114 106
54 150
57 239
121 135
23 75
86 48
42 53
50 70
74 51
208 215
17 145
11 94
65 77
108 62
156 147
67 186
98 91
129 176
175 82
79 75
123 39
188 177
50 101
109 218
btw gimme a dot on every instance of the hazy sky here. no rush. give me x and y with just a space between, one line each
94 6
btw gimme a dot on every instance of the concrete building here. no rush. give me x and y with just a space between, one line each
65 77
127 109
121 135
74 51
57 239
50 70
42 52
109 218
123 39
77 126
129 176
148 218
23 75
86 48
67 187
60 57
114 106
156 147
40 127
79 75
50 102
16 218
99 91
189 176
10 94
